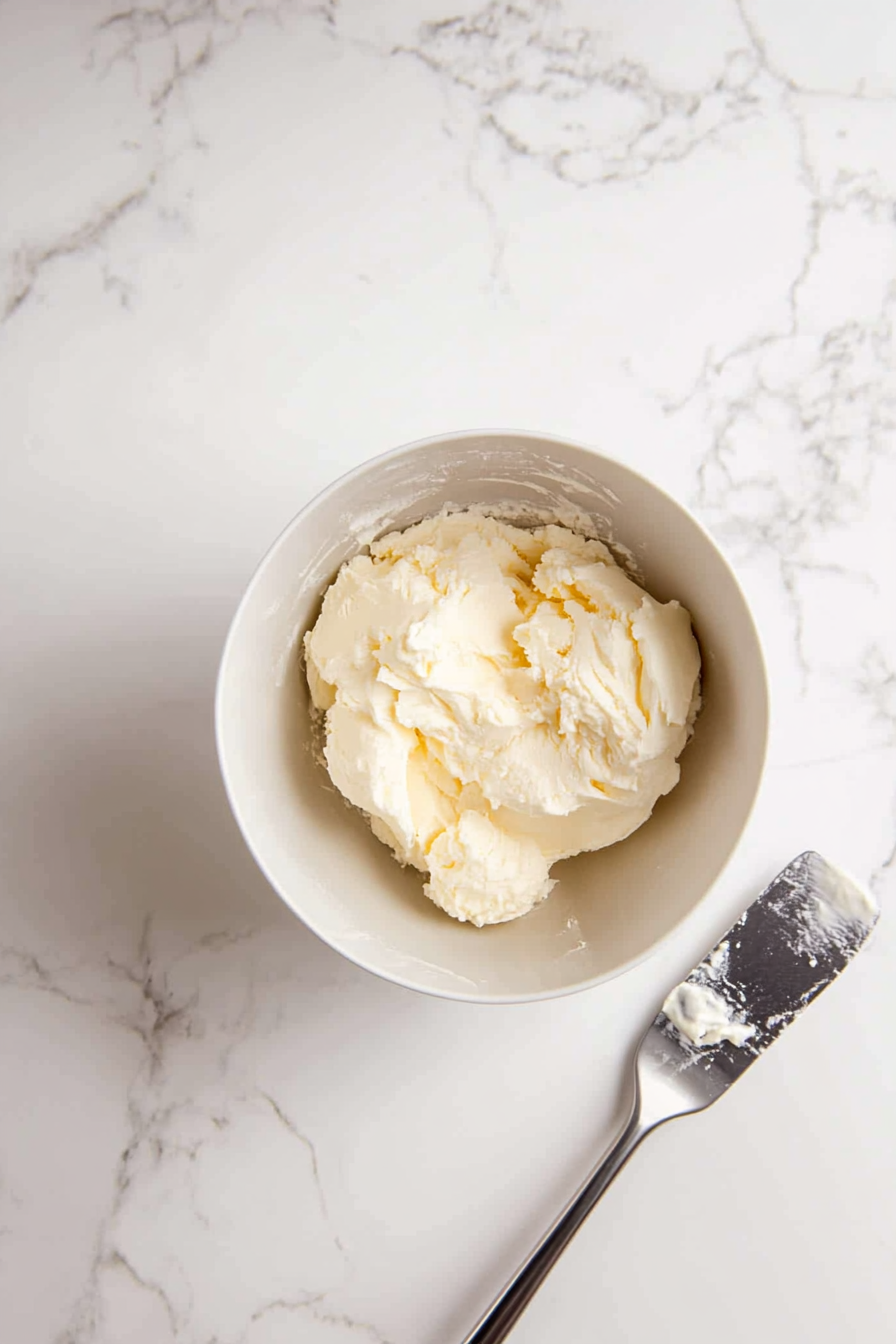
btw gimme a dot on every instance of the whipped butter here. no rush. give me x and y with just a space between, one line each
702 1015
497 699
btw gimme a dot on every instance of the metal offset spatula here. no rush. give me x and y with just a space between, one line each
782 952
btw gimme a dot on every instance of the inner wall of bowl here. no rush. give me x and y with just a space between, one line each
608 908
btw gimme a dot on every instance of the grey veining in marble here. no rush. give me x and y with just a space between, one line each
243 247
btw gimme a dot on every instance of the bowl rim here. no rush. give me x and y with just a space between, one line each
358 959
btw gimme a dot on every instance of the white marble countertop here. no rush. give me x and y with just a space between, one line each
246 245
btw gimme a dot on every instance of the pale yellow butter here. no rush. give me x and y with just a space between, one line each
497 699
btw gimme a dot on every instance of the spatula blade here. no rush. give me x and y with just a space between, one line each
791 943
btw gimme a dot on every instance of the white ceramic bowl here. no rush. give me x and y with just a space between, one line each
609 909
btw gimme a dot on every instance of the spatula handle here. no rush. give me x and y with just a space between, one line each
506 1310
